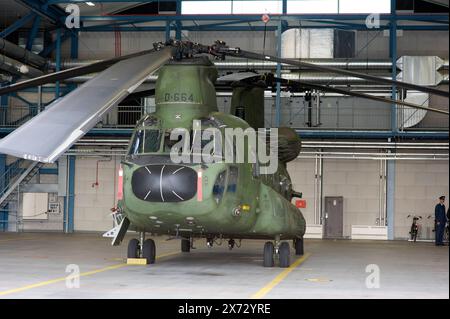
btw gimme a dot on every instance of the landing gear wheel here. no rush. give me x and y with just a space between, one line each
298 244
133 248
149 251
285 255
269 251
185 245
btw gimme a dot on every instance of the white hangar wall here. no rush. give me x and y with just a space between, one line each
418 185
93 202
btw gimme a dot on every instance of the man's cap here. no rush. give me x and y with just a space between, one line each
442 197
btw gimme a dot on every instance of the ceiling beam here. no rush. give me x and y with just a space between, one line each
17 25
52 13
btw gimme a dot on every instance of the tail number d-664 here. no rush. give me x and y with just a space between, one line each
178 97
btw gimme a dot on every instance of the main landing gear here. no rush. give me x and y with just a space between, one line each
298 244
282 251
145 248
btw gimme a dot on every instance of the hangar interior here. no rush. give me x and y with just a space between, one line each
382 163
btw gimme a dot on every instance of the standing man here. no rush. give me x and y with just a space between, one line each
440 219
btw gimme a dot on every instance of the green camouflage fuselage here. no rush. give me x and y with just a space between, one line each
224 199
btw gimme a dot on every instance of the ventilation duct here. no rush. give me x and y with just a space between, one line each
317 44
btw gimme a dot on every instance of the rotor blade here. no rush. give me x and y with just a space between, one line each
361 95
376 79
238 76
68 73
49 134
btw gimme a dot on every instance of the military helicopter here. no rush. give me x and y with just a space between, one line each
213 200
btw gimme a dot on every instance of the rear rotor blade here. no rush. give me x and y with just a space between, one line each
257 56
358 94
238 76
69 73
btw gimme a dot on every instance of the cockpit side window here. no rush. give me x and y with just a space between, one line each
146 141
152 141
219 186
233 179
136 145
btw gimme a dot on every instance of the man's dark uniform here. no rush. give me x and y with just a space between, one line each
441 219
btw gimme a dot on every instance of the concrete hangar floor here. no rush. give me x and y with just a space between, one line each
36 265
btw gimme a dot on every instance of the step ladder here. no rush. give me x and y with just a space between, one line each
16 176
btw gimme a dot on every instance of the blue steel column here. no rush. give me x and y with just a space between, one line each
390 198
278 72
167 29
178 22
69 203
69 199
33 32
4 109
3 211
74 45
393 56
390 187
73 55
58 60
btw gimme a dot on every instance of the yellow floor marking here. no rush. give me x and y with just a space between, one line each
114 259
318 280
84 274
18 238
279 278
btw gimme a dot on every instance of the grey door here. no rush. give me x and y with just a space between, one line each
334 217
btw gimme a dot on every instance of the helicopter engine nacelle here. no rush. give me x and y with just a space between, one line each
289 144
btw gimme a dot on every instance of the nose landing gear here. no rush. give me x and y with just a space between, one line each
134 249
231 244
185 245
145 248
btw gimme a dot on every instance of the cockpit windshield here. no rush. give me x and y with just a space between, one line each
146 141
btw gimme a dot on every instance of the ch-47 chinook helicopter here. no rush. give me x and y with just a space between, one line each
186 200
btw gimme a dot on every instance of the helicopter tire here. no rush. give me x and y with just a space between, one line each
285 255
185 245
133 248
269 251
149 251
298 244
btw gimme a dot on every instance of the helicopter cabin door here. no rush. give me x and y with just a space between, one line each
334 217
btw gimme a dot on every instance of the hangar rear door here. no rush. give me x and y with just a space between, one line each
334 217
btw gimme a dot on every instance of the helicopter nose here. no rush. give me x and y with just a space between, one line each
164 183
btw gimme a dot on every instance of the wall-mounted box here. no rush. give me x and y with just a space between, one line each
34 206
